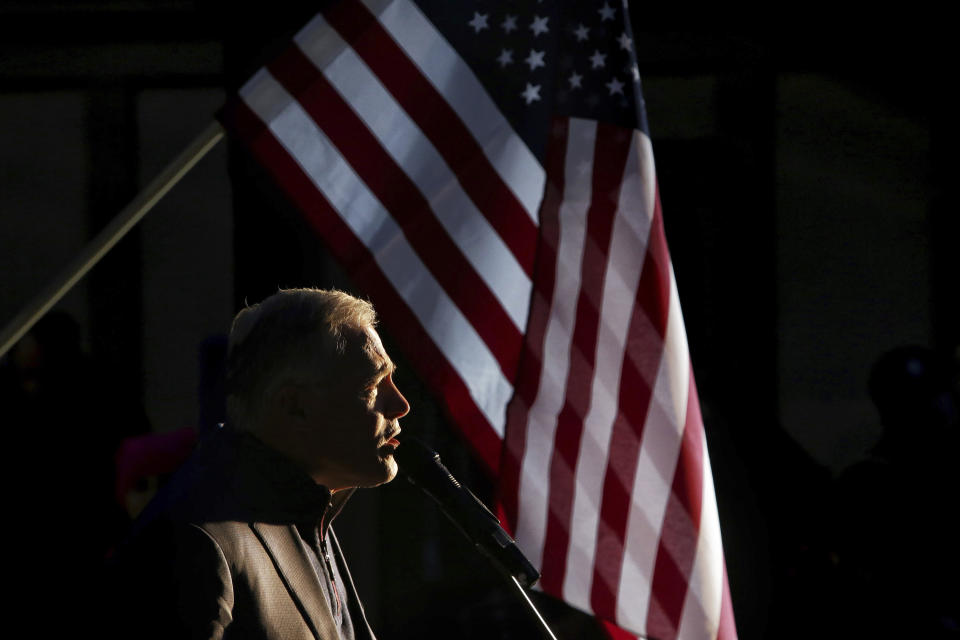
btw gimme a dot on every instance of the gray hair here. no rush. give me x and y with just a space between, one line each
295 335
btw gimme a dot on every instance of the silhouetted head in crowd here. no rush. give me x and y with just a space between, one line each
50 347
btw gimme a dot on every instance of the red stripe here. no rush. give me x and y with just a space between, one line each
727 628
400 196
440 123
531 359
614 632
681 526
356 258
648 327
610 156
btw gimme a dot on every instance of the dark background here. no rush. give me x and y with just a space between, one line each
805 177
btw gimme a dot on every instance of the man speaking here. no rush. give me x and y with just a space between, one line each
239 543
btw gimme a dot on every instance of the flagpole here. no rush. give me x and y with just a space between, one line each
110 235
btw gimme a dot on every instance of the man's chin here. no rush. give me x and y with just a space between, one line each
391 469
385 473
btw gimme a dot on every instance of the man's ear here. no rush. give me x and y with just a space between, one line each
288 401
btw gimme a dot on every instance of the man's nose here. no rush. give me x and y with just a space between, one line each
398 405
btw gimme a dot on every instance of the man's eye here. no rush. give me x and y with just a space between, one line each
371 390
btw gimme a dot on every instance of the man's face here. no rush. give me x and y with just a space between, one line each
352 423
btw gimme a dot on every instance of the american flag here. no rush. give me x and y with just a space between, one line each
484 172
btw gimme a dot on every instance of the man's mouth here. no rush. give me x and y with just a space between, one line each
392 441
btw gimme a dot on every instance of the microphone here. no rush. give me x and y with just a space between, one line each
421 466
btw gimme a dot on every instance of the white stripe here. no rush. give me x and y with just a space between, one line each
701 609
659 451
449 74
533 490
482 246
372 224
648 182
265 96
627 251
319 41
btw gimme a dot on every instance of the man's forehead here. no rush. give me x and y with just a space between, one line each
374 358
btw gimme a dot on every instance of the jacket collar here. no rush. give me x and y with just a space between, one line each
267 486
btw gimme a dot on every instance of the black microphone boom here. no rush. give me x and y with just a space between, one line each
422 467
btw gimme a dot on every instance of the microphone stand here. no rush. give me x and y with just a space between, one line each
536 612
421 467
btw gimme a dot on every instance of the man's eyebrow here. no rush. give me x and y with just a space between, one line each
386 367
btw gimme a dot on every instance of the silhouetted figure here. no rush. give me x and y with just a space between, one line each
68 417
897 553
145 462
63 419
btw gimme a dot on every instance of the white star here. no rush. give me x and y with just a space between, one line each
531 93
479 22
581 33
615 86
509 23
606 12
506 57
624 41
635 72
598 59
539 25
575 79
535 59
